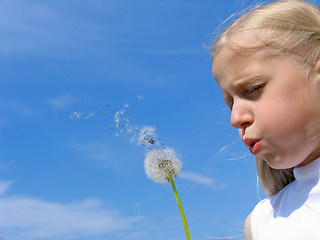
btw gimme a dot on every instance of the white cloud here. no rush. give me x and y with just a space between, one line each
204 180
30 218
37 219
61 101
198 178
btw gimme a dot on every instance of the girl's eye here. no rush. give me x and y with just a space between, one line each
228 100
254 90
231 105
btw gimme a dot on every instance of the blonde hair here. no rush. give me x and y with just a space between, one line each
281 28
273 180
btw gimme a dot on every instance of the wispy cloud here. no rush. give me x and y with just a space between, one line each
31 218
61 101
107 154
198 178
16 107
93 149
18 24
98 39
4 186
34 28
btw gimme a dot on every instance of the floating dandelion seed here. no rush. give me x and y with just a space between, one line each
75 114
159 165
148 138
79 115
144 136
90 115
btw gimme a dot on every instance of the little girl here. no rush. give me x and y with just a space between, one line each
267 64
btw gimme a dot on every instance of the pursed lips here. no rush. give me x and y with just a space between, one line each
253 144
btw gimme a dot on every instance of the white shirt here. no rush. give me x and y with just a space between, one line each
294 212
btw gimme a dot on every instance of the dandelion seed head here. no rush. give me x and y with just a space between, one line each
159 164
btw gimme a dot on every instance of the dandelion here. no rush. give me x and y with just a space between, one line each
161 165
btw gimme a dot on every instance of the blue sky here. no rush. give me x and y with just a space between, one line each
68 178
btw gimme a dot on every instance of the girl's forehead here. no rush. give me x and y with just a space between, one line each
225 66
229 62
244 41
230 65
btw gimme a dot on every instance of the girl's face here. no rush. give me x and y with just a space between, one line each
274 106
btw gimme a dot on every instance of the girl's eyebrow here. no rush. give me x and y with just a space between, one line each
235 84
248 79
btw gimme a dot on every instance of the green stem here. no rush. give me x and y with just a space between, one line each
183 216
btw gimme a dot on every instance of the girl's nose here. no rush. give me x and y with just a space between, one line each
241 116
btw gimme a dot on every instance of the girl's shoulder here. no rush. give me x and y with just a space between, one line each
295 207
265 211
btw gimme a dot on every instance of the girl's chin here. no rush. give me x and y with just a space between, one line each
277 163
274 162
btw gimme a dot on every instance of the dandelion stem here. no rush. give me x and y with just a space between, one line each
183 216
